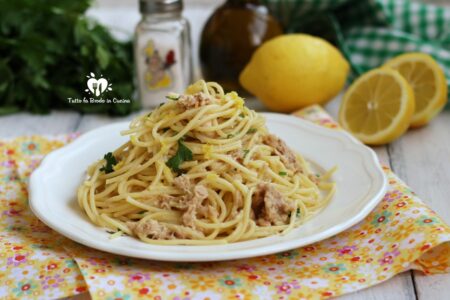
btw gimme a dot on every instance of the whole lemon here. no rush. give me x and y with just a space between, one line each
293 71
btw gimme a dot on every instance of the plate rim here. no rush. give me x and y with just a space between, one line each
36 180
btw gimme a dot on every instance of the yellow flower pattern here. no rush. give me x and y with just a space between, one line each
35 262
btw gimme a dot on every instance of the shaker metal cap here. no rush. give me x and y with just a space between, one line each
160 6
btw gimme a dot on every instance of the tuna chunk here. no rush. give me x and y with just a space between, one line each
191 201
169 202
270 207
288 156
189 204
194 205
183 183
194 101
151 229
155 230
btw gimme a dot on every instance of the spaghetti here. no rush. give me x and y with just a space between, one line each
202 169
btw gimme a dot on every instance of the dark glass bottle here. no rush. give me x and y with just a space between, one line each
230 37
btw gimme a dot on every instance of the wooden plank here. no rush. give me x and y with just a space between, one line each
26 124
421 158
431 286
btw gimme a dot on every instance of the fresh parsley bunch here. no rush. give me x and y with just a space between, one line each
48 47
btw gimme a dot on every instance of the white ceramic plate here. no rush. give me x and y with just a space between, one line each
360 185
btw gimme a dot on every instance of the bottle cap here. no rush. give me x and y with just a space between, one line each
160 6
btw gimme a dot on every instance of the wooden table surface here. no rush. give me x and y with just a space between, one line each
421 158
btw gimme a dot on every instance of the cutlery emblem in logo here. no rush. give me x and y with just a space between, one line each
97 86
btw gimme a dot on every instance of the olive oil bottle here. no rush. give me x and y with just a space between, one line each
229 38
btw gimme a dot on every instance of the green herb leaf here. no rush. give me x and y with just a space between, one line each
246 151
51 64
297 214
110 163
241 115
252 130
173 97
229 136
282 173
183 154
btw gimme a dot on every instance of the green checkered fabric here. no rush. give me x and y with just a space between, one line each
369 32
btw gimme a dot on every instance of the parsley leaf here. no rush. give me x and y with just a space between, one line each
297 214
282 173
173 97
111 161
252 130
183 154
229 136
246 151
241 115
31 74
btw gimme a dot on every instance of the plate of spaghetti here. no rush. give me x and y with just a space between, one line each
204 178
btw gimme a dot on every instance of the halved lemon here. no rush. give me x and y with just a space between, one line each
427 81
378 106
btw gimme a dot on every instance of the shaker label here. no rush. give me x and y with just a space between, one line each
158 67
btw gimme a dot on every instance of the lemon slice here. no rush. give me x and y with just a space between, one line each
428 82
378 106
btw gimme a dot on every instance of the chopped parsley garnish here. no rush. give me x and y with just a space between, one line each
297 214
173 97
241 115
229 136
282 173
161 104
252 130
111 161
246 151
183 154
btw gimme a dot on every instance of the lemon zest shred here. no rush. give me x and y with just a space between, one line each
207 151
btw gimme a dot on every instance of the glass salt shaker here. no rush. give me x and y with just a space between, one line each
162 51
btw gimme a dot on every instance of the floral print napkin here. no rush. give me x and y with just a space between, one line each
400 234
